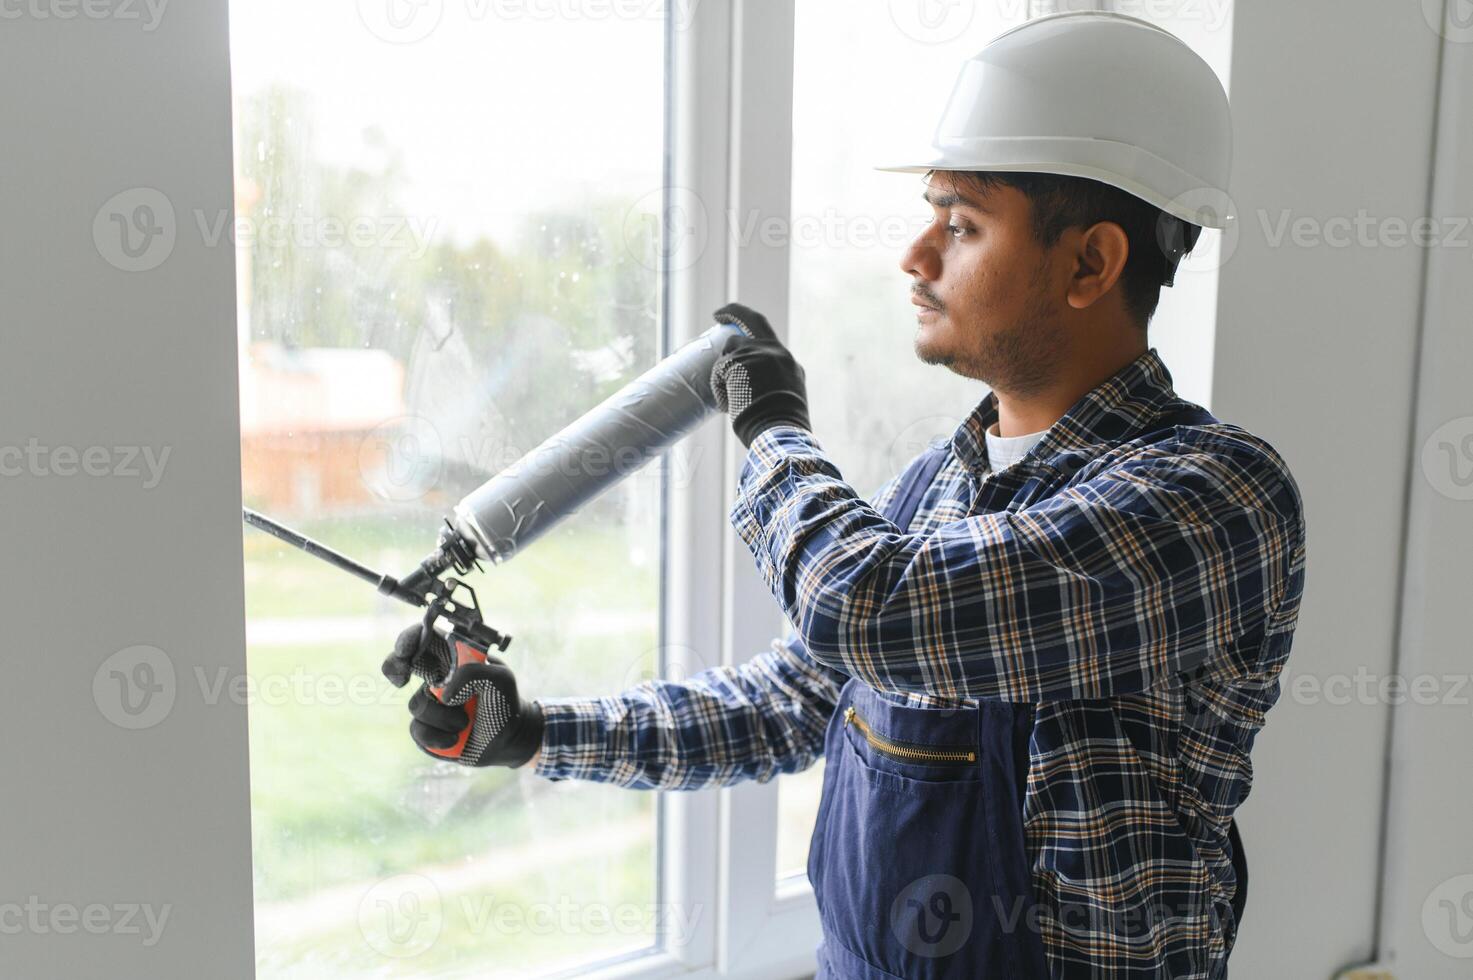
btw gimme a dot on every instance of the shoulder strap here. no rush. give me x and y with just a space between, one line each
913 485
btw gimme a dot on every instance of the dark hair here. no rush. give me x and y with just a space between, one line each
1061 202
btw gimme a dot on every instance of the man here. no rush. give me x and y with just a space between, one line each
1037 661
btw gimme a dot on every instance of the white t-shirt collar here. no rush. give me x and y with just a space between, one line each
1004 451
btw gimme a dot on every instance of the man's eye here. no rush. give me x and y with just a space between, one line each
958 231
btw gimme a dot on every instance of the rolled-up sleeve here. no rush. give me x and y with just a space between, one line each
1161 558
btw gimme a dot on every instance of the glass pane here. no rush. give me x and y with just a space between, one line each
441 263
874 404
797 804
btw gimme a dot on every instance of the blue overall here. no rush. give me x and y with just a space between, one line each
917 858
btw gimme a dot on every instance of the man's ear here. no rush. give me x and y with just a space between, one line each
1099 259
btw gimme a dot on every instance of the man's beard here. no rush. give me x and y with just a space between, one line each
1020 360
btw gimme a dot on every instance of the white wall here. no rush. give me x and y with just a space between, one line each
100 818
1427 923
1316 349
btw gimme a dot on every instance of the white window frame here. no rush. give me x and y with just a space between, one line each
768 929
730 107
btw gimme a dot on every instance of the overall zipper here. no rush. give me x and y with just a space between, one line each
905 752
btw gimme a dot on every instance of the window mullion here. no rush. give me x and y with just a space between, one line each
758 937
695 264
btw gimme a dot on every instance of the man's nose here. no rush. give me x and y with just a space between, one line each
921 259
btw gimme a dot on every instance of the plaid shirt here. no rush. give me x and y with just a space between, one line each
1138 584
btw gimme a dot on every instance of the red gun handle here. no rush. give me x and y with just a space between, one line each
466 652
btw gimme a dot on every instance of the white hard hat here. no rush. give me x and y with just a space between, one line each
1099 95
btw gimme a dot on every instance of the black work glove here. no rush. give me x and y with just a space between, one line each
755 380
468 709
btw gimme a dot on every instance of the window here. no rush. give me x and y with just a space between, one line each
442 261
459 226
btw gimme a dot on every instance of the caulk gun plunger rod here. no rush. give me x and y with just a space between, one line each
386 584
